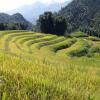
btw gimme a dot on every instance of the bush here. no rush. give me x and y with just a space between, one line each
78 53
52 23
95 50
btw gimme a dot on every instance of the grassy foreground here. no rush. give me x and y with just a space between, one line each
35 66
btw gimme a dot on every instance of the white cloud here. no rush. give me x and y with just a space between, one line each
6 5
51 1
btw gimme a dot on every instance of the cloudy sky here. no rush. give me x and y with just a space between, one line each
6 5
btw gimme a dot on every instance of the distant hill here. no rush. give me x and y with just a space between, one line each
84 15
32 12
15 20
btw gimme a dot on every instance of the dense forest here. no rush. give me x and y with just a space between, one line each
83 15
52 23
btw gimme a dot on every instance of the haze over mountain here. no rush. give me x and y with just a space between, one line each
32 12
15 21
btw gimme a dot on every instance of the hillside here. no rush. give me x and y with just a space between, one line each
83 15
37 66
8 21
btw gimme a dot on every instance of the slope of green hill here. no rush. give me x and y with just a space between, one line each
36 66
83 15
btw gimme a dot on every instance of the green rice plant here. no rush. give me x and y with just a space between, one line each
60 45
37 80
78 34
82 50
38 40
93 38
50 42
39 66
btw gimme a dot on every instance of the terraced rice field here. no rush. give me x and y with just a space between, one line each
36 66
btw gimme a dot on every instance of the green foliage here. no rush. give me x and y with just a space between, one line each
95 49
52 23
47 22
83 15
78 34
78 53
83 50
60 25
93 38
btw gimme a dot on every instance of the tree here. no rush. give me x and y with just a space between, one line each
52 23
60 25
2 26
46 22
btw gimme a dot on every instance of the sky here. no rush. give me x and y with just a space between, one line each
7 5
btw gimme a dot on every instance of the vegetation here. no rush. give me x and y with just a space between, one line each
83 15
37 66
82 50
14 22
52 23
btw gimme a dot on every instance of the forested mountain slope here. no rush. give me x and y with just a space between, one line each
15 21
83 15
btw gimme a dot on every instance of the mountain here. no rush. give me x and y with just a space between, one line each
15 20
32 12
84 15
6 18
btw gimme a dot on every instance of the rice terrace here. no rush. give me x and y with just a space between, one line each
49 49
37 66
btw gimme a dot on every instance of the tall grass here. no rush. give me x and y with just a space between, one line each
44 75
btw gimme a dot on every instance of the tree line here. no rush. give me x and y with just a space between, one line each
52 23
58 24
13 26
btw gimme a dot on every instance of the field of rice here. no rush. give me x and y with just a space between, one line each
37 66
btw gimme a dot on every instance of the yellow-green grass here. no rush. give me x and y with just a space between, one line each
4 37
18 41
43 80
31 42
82 50
93 38
44 74
48 42
78 34
59 45
2 33
81 45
